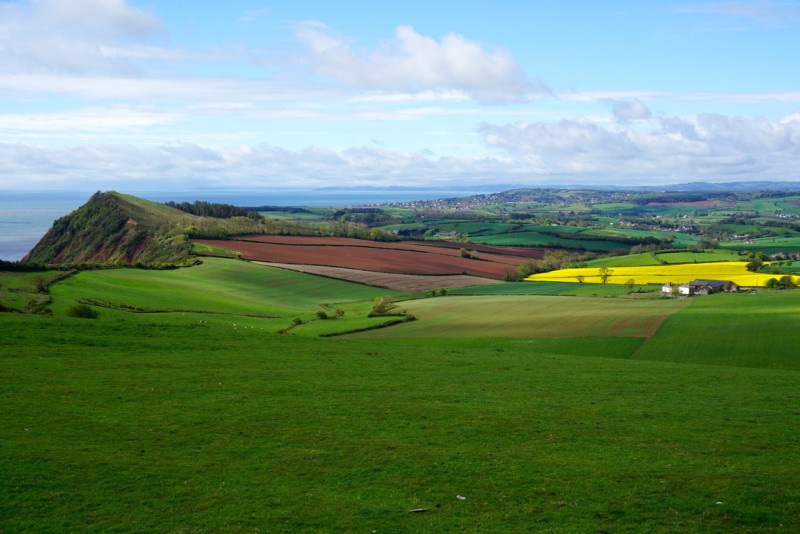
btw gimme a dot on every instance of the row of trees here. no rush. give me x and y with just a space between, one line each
552 261
202 208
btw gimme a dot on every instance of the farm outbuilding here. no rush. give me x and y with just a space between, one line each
701 287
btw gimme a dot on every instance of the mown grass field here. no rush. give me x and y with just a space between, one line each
218 285
520 317
179 422
757 330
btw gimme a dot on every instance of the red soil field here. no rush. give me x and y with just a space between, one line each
402 282
385 257
508 255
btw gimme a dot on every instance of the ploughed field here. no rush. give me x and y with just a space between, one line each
411 283
404 258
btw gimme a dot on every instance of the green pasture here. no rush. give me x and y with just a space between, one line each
515 288
629 260
612 232
202 247
544 413
230 287
18 290
536 239
614 207
638 291
553 288
471 227
743 329
289 216
665 257
515 316
767 245
190 429
698 257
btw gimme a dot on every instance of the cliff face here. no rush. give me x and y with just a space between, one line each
112 228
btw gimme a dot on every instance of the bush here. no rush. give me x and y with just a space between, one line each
322 315
82 311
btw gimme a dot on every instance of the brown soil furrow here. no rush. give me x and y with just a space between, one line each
382 259
400 282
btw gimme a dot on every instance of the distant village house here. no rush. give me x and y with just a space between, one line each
701 287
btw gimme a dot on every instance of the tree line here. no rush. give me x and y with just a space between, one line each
202 208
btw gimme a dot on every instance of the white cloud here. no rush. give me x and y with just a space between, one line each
81 36
98 120
190 166
629 110
113 19
709 145
410 62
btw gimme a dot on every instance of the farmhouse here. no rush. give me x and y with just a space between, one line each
701 287
682 289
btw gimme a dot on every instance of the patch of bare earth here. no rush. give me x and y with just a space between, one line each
401 282
361 255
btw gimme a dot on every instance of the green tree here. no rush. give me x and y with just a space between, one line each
604 273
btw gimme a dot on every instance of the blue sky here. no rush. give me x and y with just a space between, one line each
176 95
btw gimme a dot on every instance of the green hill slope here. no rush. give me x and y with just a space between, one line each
115 228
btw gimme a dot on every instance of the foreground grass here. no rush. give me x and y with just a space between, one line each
753 330
193 428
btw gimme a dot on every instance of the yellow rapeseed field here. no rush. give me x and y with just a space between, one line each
734 271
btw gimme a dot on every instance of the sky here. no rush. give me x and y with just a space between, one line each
259 95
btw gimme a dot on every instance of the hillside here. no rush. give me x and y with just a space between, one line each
115 228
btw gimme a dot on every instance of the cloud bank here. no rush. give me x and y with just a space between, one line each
708 146
410 62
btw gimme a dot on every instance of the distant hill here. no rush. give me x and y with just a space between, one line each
113 228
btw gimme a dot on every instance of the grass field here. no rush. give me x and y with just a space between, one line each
536 239
755 330
173 433
519 317
544 413
217 285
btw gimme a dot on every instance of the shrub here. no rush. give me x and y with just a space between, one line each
322 315
82 311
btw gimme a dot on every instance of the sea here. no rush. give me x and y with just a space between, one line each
25 216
